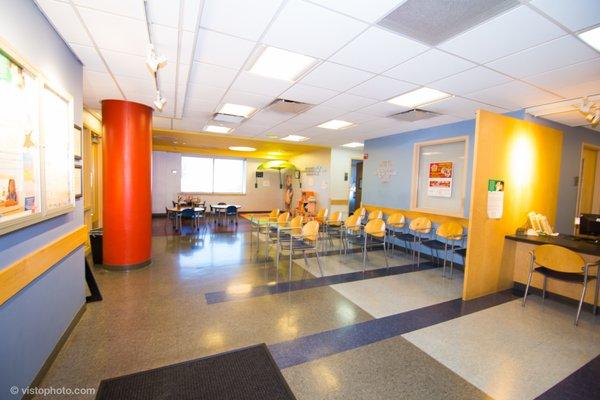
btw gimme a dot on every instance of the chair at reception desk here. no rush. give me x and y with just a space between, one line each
556 262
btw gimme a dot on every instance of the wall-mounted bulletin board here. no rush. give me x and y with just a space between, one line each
36 145
439 176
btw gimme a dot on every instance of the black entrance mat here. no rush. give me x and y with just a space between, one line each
248 374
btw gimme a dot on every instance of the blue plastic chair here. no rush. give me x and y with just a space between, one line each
232 211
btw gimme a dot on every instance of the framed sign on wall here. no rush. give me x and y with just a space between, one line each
36 145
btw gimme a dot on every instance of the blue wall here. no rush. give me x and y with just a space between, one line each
32 322
399 148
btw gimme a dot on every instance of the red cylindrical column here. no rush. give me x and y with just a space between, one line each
126 194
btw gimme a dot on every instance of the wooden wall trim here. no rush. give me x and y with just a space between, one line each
22 272
338 202
410 214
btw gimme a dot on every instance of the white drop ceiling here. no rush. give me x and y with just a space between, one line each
528 56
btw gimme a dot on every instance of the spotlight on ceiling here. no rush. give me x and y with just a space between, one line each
153 60
591 111
159 102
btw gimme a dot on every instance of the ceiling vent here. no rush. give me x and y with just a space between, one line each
435 21
234 119
414 115
284 106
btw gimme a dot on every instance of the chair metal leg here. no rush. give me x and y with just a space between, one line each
544 288
581 302
445 259
319 262
597 284
387 265
365 254
527 287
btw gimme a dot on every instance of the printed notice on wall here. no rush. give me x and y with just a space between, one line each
495 204
440 179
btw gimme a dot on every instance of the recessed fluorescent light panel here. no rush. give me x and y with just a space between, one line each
418 97
237 109
353 145
241 148
591 37
294 138
336 124
217 129
281 64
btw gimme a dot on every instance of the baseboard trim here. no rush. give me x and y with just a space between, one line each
57 348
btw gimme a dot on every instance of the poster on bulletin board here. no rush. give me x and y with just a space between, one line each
440 179
495 204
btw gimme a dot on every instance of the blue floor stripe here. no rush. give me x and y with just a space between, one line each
323 344
582 384
284 287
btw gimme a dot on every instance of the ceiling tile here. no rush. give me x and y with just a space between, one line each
312 30
127 8
470 81
514 95
249 128
461 107
574 14
548 56
100 85
191 11
382 109
348 102
570 118
316 115
164 12
308 94
243 18
371 50
223 50
205 92
161 123
247 99
357 117
513 31
168 73
165 40
429 66
249 82
186 45
190 124
212 75
134 86
63 17
369 11
382 88
109 30
576 80
335 77
126 64
89 57
266 117
195 106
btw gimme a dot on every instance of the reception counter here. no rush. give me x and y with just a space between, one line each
516 256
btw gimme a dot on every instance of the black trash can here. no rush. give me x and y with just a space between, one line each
96 243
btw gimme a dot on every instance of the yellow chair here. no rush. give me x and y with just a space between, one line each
333 227
307 240
375 214
448 234
272 231
361 212
556 262
351 229
374 230
321 216
273 215
419 228
394 223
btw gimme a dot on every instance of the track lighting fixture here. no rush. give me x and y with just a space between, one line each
153 60
159 102
591 111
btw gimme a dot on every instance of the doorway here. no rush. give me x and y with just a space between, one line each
589 185
355 194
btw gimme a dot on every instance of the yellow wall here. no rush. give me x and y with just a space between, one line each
588 177
527 157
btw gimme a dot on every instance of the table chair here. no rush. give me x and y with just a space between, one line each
361 212
447 234
333 228
394 224
271 231
351 231
307 240
559 263
170 217
375 214
231 212
375 231
187 214
418 228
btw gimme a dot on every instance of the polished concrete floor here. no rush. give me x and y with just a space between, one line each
397 333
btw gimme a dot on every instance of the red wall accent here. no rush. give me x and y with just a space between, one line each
127 192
